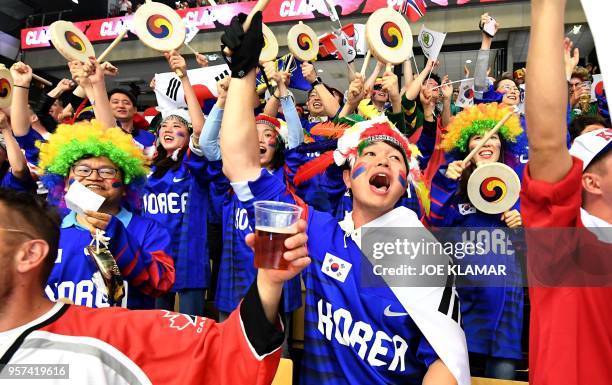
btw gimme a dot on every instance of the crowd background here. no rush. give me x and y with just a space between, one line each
185 231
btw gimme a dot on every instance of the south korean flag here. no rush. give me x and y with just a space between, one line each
169 90
335 267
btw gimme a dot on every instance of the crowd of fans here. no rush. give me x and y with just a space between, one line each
178 210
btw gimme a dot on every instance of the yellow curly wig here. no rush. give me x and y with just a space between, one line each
70 143
477 120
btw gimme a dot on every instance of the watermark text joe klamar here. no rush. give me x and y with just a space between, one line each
417 254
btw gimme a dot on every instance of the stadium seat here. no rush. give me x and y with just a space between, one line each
493 381
284 374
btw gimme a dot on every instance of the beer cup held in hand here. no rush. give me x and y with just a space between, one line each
274 222
585 99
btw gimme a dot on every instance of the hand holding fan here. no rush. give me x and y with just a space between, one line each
159 27
303 42
389 37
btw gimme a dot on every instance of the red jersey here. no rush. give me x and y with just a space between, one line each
571 323
120 346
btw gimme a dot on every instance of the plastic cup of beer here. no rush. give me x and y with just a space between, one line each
274 222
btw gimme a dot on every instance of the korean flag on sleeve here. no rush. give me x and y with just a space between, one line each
335 267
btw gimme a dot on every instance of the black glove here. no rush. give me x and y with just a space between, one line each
245 46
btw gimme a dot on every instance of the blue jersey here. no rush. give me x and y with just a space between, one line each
28 144
144 138
10 181
492 316
179 202
140 247
236 269
317 191
348 338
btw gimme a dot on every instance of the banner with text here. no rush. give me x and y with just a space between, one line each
215 17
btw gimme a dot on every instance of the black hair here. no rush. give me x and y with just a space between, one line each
330 89
434 77
278 160
127 93
579 123
40 217
496 84
162 162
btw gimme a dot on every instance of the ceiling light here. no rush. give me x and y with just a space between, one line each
75 1
320 71
576 29
469 61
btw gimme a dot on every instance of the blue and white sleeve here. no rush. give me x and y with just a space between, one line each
294 125
209 138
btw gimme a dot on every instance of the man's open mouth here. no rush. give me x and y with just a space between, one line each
380 183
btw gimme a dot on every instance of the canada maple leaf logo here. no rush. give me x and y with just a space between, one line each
181 321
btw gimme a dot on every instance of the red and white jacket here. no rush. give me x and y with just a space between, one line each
570 276
119 346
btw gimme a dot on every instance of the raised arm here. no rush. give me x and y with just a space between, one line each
369 83
414 88
390 85
408 76
273 103
549 159
482 61
239 141
90 76
356 93
294 124
16 158
209 139
447 94
176 61
330 103
20 117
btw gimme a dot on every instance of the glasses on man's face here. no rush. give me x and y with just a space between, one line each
377 87
18 232
575 84
509 88
104 172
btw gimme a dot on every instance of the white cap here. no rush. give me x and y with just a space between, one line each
587 146
183 113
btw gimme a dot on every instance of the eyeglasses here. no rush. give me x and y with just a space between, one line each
509 88
104 172
377 87
18 232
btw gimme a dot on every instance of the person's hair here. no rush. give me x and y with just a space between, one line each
41 219
434 77
330 89
507 75
127 93
278 160
579 123
60 101
496 84
337 94
581 73
162 162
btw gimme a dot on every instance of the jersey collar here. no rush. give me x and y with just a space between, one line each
70 220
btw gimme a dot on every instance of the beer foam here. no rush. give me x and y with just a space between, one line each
279 230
